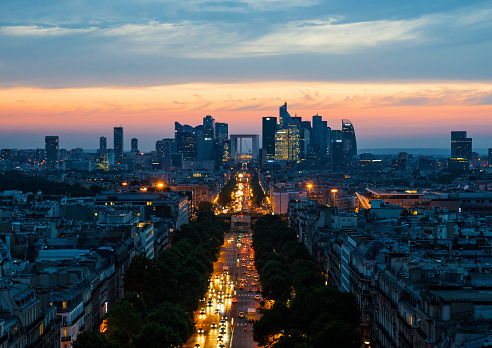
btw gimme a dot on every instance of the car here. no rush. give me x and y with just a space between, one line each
220 338
228 295
213 325
200 330
209 303
253 283
258 289
217 276
197 345
222 330
234 299
241 314
221 346
257 296
217 311
224 317
222 323
221 301
202 311
250 289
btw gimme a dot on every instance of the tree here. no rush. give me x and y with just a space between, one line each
92 339
124 322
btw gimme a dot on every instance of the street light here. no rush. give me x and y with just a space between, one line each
309 186
334 191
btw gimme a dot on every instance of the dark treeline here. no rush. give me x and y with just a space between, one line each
258 194
225 195
15 180
299 311
161 296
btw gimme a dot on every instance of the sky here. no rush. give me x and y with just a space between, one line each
405 73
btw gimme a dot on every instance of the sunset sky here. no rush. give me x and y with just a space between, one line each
405 73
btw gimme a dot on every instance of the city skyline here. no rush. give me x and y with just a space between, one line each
403 74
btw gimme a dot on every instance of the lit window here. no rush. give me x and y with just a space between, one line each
64 305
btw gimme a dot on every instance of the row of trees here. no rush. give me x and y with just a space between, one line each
299 311
15 180
225 196
162 295
258 193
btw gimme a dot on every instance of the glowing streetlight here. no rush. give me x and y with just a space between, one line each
334 191
160 185
309 186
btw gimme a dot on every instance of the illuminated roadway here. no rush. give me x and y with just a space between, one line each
238 256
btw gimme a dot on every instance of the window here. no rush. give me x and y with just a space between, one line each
41 329
64 305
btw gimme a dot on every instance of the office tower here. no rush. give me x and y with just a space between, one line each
118 144
284 117
134 143
178 128
461 152
208 135
187 145
103 145
318 134
336 150
164 148
226 153
348 133
286 137
269 127
461 146
221 132
51 151
102 161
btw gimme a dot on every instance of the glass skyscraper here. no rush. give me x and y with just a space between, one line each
118 144
268 129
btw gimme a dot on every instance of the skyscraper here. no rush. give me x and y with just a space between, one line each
208 137
269 127
186 144
461 152
118 144
349 134
461 146
51 151
134 143
318 136
221 132
336 150
103 145
164 148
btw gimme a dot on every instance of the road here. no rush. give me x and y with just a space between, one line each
226 289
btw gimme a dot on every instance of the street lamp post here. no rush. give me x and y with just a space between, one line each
334 191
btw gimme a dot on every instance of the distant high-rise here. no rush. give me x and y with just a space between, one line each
134 142
461 146
337 160
103 148
490 157
319 133
269 127
208 137
284 117
187 145
118 144
51 151
286 137
349 134
164 148
221 132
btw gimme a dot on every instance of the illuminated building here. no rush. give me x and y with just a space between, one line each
186 144
208 138
164 148
102 161
375 165
134 143
51 151
400 163
269 127
286 137
221 132
348 133
103 145
118 144
226 153
461 151
336 150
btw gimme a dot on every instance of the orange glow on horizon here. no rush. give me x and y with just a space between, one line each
396 107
